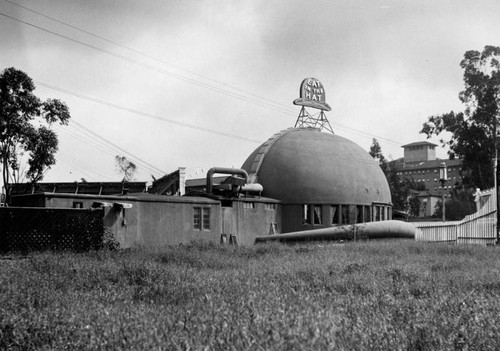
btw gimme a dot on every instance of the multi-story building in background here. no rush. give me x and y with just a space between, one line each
421 165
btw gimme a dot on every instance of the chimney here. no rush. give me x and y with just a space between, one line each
182 180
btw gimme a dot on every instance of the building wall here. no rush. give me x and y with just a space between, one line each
428 175
248 220
417 153
173 223
170 220
149 223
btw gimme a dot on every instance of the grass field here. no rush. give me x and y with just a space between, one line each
375 295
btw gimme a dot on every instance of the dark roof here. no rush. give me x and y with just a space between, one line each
161 185
98 188
306 166
136 197
418 143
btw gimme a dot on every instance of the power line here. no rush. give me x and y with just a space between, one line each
143 114
163 119
101 146
78 168
144 54
180 77
119 148
360 132
154 68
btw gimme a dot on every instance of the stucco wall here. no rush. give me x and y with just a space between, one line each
247 222
162 220
172 223
149 222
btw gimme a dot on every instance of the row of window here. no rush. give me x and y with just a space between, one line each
420 147
252 205
311 214
424 171
344 214
435 179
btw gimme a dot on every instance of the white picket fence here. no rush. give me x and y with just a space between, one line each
477 228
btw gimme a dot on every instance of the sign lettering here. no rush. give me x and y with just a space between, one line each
312 94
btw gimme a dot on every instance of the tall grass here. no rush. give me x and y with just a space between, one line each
365 295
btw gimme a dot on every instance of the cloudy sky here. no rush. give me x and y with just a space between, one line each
195 83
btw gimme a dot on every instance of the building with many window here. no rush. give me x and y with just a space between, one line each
421 165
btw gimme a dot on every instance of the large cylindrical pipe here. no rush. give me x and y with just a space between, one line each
255 188
223 170
371 230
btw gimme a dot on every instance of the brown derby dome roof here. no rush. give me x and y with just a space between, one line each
302 165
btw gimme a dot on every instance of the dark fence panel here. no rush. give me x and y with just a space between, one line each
28 229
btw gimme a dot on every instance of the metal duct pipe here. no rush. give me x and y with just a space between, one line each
371 230
223 170
255 188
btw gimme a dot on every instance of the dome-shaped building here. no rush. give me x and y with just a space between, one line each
321 179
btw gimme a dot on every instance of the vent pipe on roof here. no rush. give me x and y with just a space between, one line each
223 170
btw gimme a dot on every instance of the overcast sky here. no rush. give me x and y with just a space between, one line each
202 83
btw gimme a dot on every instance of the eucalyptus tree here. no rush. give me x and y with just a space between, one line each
473 132
25 128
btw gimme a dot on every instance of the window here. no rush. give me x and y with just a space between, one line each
248 205
306 216
345 214
197 218
359 209
201 218
367 214
269 206
77 204
206 218
334 213
317 214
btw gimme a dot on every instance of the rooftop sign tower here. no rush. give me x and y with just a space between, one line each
312 94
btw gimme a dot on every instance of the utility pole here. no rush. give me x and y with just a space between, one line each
443 177
495 170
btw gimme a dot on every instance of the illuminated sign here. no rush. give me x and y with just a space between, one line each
312 94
